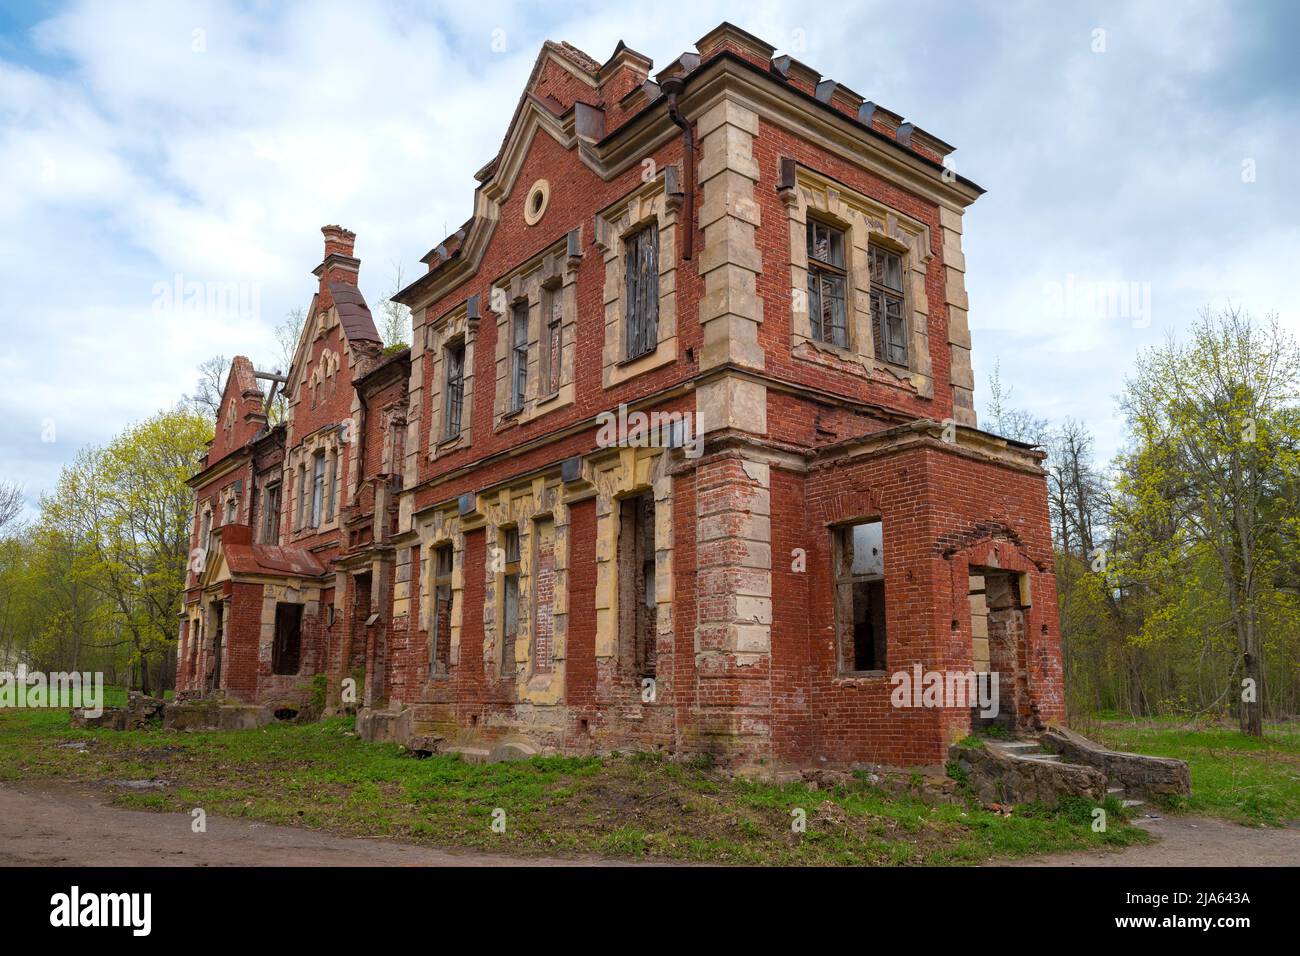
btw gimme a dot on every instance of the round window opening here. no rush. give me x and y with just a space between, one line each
535 204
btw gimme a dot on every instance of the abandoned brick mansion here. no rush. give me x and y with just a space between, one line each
491 540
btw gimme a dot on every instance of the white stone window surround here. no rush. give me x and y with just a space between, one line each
552 272
452 328
864 222
656 202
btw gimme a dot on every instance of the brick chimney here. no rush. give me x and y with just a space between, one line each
339 265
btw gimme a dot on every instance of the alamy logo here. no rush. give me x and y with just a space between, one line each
624 429
80 691
74 909
922 688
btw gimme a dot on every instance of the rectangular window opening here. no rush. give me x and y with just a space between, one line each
509 601
859 570
827 279
455 404
440 628
888 318
519 355
638 611
286 652
641 278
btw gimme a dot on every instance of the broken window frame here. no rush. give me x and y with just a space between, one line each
286 648
641 288
454 406
827 281
888 304
509 601
442 558
331 479
852 656
518 355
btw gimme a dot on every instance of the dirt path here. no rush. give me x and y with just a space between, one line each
60 824
1189 841
54 823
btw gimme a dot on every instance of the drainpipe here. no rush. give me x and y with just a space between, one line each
672 88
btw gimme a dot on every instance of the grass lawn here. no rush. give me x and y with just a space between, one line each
322 777
1247 779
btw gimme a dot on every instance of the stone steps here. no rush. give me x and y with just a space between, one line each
1033 750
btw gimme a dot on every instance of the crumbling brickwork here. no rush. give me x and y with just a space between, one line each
676 380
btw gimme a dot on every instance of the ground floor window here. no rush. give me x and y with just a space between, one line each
286 653
440 629
638 637
859 571
510 601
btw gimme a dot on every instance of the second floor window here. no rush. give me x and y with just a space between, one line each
317 487
553 314
826 282
271 515
518 354
641 274
455 390
888 325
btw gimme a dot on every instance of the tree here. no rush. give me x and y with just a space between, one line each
11 503
126 511
287 334
395 318
1216 446
211 383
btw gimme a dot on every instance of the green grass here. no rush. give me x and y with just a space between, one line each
322 776
1249 780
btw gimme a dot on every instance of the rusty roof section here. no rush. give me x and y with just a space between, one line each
354 314
271 559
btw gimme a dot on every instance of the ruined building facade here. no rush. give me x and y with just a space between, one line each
683 454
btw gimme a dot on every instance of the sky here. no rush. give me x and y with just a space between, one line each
1140 162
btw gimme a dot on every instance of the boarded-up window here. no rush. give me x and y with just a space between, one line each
271 515
518 355
826 282
509 601
553 313
543 588
888 322
641 271
440 626
859 568
638 617
286 652
455 390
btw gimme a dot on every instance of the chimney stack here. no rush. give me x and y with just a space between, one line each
339 267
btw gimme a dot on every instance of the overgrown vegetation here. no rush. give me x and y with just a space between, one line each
1178 567
321 776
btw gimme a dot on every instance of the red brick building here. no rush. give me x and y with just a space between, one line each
683 453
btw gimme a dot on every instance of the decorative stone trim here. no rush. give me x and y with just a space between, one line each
629 472
960 375
521 506
539 197
553 272
454 327
657 201
863 221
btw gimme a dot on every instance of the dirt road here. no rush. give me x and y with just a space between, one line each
60 824
1190 841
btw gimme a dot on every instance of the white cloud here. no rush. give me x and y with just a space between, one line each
131 157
